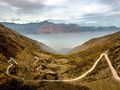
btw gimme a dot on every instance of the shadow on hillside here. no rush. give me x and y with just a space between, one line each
17 85
62 86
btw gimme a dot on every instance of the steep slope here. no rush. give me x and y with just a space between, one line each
23 62
91 50
97 42
19 47
85 56
19 39
115 56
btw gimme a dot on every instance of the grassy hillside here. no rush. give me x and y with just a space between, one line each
87 54
24 50
92 49
51 66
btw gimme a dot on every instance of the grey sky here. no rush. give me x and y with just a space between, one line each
83 12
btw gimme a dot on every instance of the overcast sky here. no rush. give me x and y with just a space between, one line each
83 12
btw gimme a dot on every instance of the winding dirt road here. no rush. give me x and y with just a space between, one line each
114 73
37 60
7 71
8 68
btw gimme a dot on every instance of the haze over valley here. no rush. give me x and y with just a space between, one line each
61 37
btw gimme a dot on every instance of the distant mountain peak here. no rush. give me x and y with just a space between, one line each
50 27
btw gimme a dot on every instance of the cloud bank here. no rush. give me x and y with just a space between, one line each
83 12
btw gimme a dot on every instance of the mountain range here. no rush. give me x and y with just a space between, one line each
24 61
49 27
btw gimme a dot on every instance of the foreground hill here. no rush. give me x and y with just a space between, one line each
86 55
89 51
49 27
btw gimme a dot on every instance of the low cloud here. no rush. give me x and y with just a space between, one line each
96 12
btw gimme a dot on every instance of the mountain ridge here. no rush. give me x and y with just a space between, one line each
49 27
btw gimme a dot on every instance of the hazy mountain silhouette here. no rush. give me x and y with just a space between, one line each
49 27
